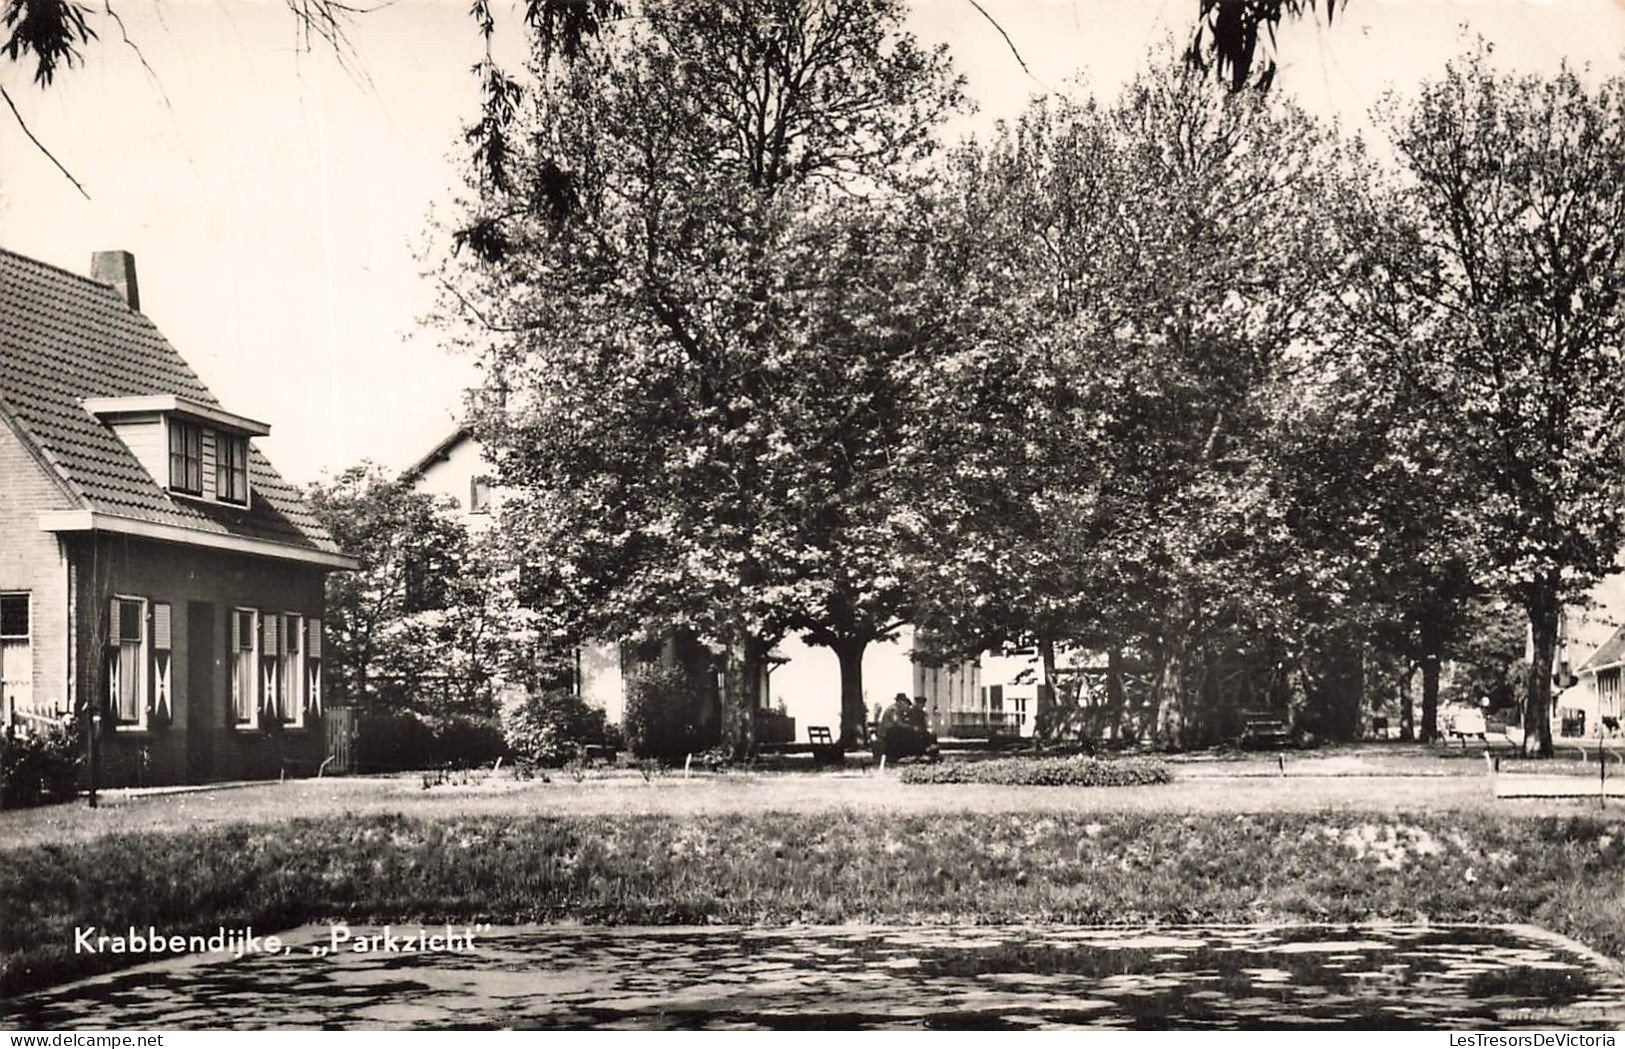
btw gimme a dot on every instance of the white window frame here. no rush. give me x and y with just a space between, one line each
222 440
253 653
292 660
477 485
271 692
173 425
141 669
28 648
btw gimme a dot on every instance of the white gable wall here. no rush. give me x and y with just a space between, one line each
453 477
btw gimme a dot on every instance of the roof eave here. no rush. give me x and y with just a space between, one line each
178 405
436 454
92 521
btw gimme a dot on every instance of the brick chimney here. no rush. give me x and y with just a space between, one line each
117 268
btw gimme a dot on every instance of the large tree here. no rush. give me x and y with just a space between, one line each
685 291
1506 251
1163 258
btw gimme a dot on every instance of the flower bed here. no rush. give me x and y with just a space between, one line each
1079 771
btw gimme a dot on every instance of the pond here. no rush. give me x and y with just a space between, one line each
856 977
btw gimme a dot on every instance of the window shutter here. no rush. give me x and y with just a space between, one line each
268 635
160 626
236 630
313 640
112 623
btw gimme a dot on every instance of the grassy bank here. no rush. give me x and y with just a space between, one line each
1564 874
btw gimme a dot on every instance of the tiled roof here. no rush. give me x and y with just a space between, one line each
1609 652
64 338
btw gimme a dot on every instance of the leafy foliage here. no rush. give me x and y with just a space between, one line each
1135 284
39 767
421 628
1080 771
687 406
1229 35
1493 293
550 728
661 718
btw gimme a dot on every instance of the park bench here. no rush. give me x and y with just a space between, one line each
825 749
592 752
1263 729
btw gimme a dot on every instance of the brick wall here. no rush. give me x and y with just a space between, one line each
201 742
34 561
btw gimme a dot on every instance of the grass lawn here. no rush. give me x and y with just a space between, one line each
1341 837
1566 874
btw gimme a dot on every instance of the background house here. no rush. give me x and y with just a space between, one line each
154 567
1590 654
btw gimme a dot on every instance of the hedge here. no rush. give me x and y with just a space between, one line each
1081 771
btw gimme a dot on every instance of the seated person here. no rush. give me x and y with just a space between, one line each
903 731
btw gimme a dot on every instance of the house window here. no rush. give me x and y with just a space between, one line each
16 657
231 468
271 665
244 668
293 669
479 495
185 457
1608 692
313 664
127 656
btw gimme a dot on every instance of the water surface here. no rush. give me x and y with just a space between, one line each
848 977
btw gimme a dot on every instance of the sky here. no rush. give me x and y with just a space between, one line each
278 204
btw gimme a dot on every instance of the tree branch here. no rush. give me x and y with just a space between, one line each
40 145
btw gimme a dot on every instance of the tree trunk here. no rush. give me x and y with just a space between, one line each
1170 695
1430 697
1407 709
741 686
1537 709
1044 723
854 714
1114 691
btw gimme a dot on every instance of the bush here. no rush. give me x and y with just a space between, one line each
392 742
1043 772
39 768
465 742
550 728
661 703
396 742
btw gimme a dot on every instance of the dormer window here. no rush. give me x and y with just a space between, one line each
231 468
185 457
190 448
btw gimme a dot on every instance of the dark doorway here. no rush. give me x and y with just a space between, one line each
203 704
